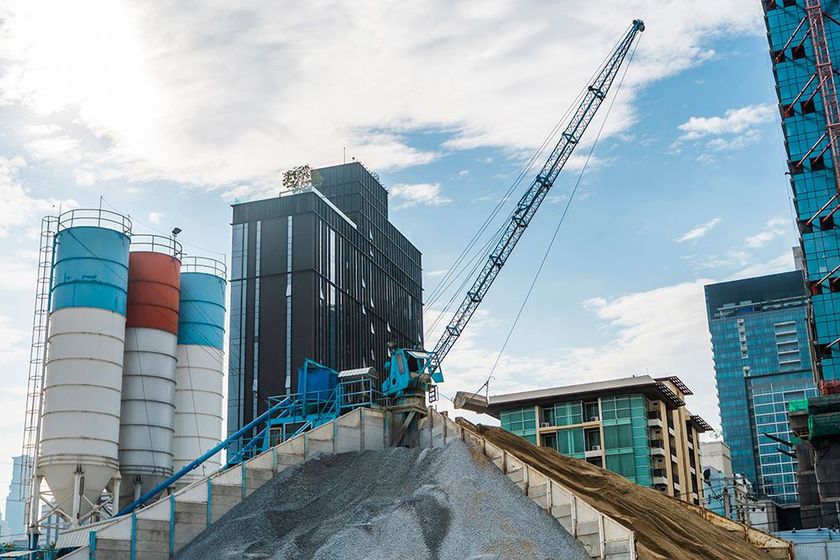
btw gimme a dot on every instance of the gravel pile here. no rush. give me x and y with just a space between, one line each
445 503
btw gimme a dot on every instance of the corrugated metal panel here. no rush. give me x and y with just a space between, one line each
91 269
202 310
81 420
148 403
198 406
153 286
828 550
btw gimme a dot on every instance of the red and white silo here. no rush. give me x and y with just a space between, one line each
148 384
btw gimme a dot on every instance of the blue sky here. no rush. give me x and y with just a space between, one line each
687 185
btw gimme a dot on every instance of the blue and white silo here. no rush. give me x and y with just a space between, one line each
80 425
200 370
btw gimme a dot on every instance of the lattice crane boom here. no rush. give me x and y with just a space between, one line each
409 372
533 197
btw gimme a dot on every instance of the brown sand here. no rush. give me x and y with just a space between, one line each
665 529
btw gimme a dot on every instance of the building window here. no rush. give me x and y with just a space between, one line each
623 464
289 305
593 439
619 436
550 440
614 408
548 416
571 442
566 414
591 411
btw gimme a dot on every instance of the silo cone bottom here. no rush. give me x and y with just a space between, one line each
77 491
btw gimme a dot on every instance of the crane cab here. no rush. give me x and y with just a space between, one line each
407 371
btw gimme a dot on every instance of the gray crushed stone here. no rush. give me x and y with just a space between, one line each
444 503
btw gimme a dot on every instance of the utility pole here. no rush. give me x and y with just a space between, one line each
727 506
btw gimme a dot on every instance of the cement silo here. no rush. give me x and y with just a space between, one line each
80 425
147 418
200 373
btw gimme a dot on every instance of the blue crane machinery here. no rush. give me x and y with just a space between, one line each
412 373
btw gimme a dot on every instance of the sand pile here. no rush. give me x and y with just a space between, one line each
444 503
665 529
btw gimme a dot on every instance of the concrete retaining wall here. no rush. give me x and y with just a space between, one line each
158 530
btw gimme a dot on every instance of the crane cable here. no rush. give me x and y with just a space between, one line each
486 384
453 273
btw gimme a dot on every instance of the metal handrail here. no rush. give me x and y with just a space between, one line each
94 217
148 242
205 265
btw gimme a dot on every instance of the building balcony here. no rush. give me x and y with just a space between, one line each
655 423
671 431
660 477
657 447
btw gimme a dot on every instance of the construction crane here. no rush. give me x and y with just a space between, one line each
411 373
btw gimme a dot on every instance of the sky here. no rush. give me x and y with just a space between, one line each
171 111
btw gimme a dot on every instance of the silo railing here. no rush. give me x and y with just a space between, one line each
94 217
204 264
156 244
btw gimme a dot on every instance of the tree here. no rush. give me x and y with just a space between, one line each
298 178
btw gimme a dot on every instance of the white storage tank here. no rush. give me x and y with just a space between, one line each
147 419
78 451
200 371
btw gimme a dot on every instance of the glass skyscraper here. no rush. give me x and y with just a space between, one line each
760 346
805 85
804 41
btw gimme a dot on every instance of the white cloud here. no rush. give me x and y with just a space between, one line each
426 194
42 129
774 228
14 357
58 150
699 231
246 90
736 129
706 159
156 217
19 272
734 121
20 210
781 263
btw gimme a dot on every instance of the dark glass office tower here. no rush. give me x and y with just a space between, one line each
317 273
760 346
